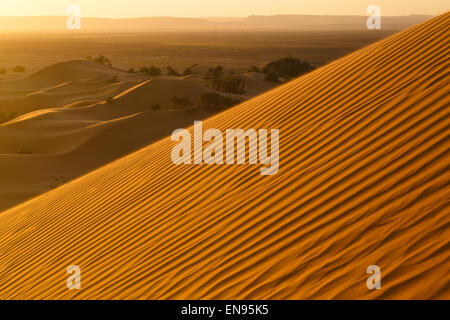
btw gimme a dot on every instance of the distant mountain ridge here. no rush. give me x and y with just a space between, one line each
57 24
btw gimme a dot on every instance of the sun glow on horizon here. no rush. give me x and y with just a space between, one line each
229 8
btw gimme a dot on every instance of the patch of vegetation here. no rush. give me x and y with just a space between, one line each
183 103
113 79
214 73
2 71
7 116
188 71
154 71
103 60
272 75
172 72
214 100
155 106
286 67
229 85
132 70
19 69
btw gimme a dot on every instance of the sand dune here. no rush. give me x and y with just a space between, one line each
60 74
67 125
44 148
161 91
62 84
60 157
363 180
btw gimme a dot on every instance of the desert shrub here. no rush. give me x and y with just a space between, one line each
6 116
19 69
214 73
2 71
216 101
155 106
183 103
253 69
271 75
154 71
188 71
230 85
103 60
172 72
113 79
132 70
288 67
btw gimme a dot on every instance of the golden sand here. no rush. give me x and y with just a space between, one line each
363 179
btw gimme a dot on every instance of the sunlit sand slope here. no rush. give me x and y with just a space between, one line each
364 179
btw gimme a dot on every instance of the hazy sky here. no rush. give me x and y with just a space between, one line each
218 8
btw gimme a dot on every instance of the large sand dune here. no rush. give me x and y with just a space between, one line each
363 180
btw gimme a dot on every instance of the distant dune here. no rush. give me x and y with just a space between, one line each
71 120
57 24
363 180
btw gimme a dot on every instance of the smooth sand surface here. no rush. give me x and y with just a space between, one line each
363 179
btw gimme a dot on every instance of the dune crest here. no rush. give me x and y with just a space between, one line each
363 180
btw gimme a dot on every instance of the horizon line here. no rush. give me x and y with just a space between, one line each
219 17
